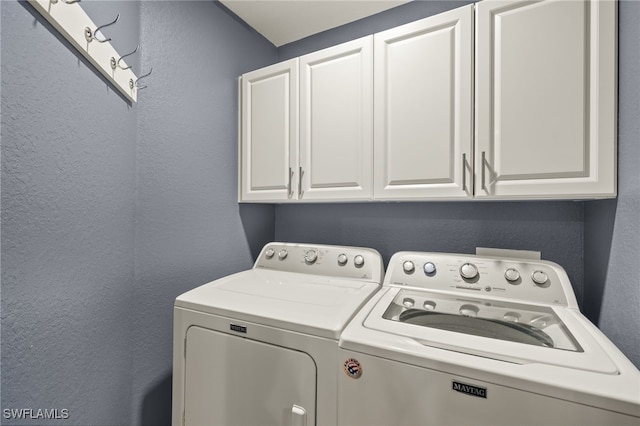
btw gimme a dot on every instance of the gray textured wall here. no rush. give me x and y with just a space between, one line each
597 242
612 227
68 191
189 226
549 227
111 210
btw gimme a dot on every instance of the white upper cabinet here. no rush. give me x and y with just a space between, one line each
269 133
423 107
545 99
501 99
336 109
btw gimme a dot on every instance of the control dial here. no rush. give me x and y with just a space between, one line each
512 275
468 271
358 261
311 256
539 277
269 253
408 267
282 254
342 259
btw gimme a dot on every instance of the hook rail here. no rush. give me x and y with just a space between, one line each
72 22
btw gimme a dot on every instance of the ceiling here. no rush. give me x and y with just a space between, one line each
285 21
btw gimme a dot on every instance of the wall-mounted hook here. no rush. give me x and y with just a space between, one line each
91 35
141 77
124 56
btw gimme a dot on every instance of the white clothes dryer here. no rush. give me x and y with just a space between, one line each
454 339
259 347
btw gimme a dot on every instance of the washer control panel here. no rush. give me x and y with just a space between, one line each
336 261
524 279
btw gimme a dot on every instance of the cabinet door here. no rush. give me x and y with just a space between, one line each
269 133
335 122
230 381
423 108
545 99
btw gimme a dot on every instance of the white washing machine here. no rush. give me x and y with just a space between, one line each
259 347
454 339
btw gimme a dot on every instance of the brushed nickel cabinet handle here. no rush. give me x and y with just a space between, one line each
290 190
483 186
301 173
464 172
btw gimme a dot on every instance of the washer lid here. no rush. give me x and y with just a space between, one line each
491 328
309 304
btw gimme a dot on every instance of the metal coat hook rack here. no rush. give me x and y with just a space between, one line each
68 17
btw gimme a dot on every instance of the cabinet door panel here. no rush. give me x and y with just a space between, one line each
269 132
335 122
423 87
545 99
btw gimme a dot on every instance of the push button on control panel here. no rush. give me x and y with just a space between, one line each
512 275
342 259
282 254
429 268
408 267
269 253
358 261
540 278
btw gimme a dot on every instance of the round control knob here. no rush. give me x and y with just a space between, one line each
282 254
408 267
468 271
511 275
269 253
311 256
539 277
429 268
358 261
342 259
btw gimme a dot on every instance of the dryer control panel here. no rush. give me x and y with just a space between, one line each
335 261
535 281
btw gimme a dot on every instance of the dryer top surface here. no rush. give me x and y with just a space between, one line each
310 304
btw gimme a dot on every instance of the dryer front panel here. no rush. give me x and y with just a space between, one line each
231 380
